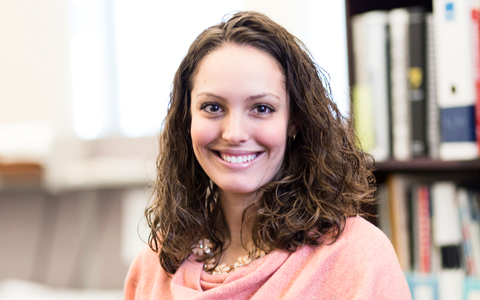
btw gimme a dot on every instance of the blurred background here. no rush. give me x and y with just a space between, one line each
84 86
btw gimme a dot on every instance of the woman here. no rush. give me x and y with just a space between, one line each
259 182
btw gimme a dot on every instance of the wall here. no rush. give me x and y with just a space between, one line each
85 235
34 72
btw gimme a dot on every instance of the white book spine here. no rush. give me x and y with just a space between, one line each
456 93
433 114
361 90
376 27
446 222
399 20
450 284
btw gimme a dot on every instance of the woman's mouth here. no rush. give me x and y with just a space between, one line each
237 159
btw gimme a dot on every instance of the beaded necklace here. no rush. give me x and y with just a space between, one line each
203 250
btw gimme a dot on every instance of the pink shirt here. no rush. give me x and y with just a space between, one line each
361 264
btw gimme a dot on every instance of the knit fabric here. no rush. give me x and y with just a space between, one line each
361 264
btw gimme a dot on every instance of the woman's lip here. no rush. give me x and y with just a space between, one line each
243 154
236 152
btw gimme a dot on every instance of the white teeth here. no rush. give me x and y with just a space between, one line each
238 159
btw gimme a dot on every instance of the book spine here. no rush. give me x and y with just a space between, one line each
417 80
401 114
413 225
397 186
384 218
476 54
464 211
376 27
424 228
448 237
362 95
447 228
433 114
473 202
455 78
370 92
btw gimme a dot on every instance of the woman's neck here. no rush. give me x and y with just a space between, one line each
239 232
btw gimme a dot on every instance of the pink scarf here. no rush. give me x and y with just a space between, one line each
361 264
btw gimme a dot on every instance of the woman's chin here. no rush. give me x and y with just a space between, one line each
238 190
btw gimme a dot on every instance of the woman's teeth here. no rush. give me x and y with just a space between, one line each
238 159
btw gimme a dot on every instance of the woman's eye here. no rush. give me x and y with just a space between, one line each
211 108
263 109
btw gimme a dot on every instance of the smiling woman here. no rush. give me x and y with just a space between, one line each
260 182
240 119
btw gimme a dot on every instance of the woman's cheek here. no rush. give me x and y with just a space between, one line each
203 132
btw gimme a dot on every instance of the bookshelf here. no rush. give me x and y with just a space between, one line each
466 170
355 7
417 165
403 183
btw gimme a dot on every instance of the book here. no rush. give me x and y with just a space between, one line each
422 287
424 229
371 95
467 224
377 49
450 284
475 16
448 236
456 89
420 228
399 59
384 218
397 186
433 114
362 98
417 80
472 289
473 201
446 221
413 222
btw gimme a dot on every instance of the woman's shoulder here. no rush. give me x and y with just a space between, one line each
361 232
145 258
358 223
362 263
142 272
363 244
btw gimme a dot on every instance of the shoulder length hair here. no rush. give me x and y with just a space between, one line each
324 177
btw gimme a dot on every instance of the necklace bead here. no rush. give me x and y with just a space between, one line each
203 248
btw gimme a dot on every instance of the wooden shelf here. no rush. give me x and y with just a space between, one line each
360 6
427 165
20 175
20 168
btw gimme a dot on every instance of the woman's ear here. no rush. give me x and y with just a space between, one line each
292 128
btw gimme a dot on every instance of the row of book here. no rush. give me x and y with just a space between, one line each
417 81
435 230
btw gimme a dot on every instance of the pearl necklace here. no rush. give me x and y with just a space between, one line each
203 250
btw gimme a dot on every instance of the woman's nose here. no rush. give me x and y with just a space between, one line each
235 129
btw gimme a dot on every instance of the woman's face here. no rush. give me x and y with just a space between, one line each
240 118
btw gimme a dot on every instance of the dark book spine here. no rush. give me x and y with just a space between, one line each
389 88
417 81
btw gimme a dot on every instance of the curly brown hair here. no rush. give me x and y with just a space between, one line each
324 176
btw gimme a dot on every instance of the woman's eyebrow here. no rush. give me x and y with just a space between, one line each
250 98
208 94
255 97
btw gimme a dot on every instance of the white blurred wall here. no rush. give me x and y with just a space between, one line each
79 235
34 68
